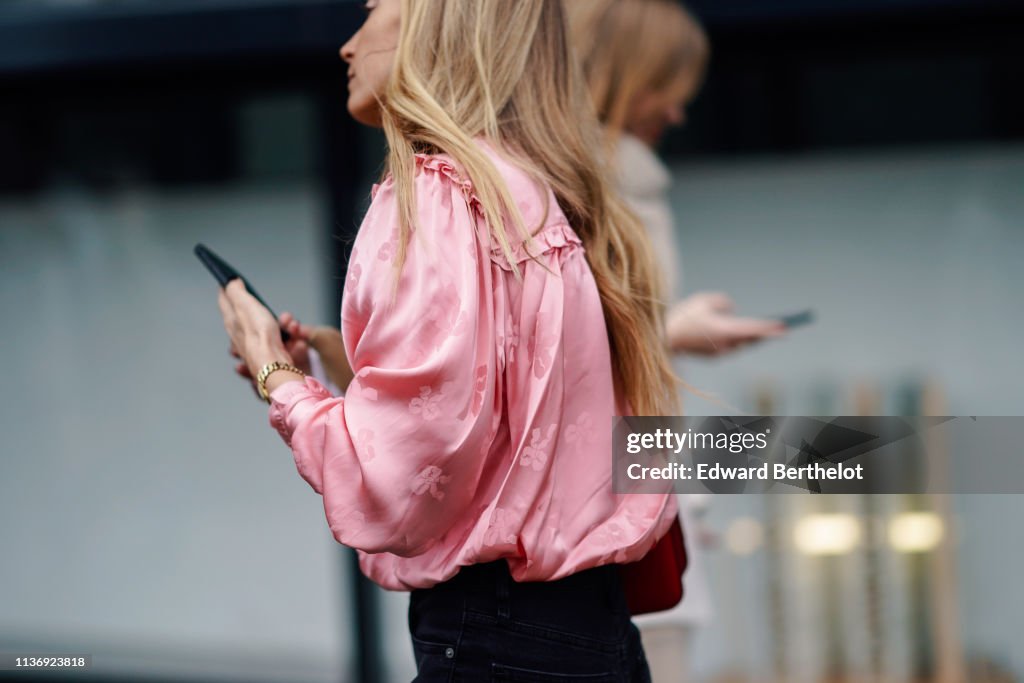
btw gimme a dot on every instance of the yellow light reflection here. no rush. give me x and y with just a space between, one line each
915 532
827 534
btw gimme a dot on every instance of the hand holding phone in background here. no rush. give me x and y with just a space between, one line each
797 319
704 324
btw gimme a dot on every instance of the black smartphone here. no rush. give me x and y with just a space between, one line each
224 273
796 319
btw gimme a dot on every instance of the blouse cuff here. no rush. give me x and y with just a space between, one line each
284 397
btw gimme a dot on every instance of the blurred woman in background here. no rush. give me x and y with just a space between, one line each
500 307
644 62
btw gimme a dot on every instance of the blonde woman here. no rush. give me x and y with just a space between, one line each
644 61
500 307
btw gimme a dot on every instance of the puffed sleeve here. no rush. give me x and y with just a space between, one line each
398 458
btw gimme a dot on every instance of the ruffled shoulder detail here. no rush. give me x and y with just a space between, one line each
554 236
443 165
557 233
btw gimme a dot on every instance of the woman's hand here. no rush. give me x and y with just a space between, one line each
327 342
703 324
301 340
297 347
254 334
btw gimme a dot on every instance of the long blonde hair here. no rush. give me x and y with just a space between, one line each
503 70
631 46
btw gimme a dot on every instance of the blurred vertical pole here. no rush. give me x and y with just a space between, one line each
867 401
836 662
917 563
342 170
774 561
949 654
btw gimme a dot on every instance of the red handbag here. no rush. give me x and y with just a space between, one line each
655 583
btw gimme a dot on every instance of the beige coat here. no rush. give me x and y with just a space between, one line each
645 182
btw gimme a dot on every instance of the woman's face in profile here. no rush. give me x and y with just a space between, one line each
370 55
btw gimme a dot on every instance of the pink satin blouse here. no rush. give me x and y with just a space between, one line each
478 425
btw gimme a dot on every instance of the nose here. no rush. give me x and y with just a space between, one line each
348 50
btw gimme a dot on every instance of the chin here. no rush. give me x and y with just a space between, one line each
363 111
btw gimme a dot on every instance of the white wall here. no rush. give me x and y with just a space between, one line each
912 263
149 515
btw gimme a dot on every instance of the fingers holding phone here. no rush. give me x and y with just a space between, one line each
298 343
704 324
255 332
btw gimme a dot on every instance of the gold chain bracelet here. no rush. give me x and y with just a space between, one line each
261 379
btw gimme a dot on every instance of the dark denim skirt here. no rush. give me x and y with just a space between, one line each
482 626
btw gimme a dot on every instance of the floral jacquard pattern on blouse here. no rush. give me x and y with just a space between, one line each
478 425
